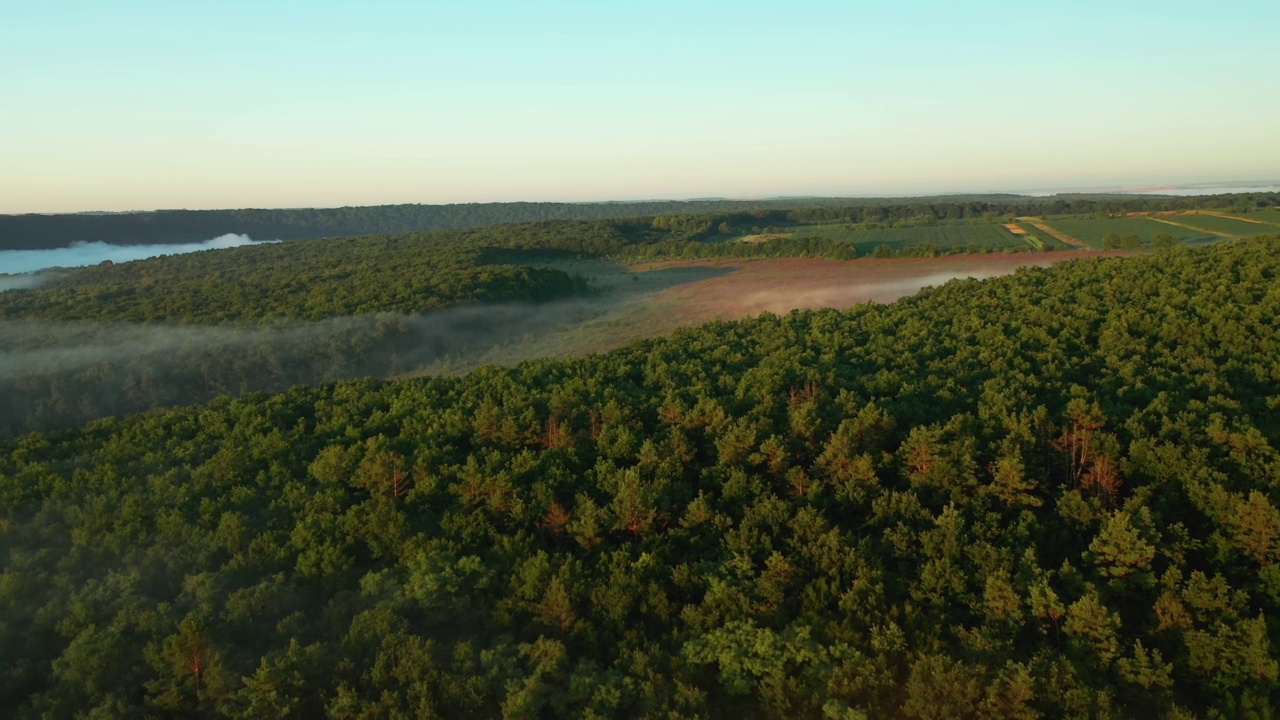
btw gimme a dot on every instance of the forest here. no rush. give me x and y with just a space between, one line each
1050 494
184 226
112 339
304 312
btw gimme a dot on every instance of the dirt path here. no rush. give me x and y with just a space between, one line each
1055 234
1185 226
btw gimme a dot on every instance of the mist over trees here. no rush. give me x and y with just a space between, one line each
1048 494
369 298
367 295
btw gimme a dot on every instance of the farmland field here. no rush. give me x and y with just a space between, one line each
945 236
1039 239
1269 216
1053 239
1092 231
1217 223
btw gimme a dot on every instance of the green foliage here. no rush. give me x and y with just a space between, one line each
1048 494
181 226
314 280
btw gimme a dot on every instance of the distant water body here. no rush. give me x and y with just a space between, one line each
81 254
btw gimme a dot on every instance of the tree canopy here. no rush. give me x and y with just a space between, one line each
1047 494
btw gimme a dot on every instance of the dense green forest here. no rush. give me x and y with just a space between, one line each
1048 494
75 352
115 339
410 272
402 273
184 226
312 280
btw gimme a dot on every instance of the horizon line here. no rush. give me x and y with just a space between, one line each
1152 190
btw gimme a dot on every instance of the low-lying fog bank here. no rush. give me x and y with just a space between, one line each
15 262
65 374
708 290
57 374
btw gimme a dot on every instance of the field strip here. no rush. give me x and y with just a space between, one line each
1044 228
1267 223
1231 217
1184 226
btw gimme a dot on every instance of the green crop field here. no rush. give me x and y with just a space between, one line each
1047 241
1222 224
946 236
1050 242
1037 239
1270 216
1092 231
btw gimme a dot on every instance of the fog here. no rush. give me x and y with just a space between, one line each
845 294
91 253
1207 190
33 348
63 374
20 282
60 374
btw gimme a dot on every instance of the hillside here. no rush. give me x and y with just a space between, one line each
1046 494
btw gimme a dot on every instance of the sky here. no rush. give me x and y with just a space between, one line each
141 104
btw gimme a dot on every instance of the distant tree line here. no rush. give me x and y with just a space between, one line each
312 280
185 226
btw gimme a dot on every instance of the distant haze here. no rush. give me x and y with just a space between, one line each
1176 190
92 253
1188 191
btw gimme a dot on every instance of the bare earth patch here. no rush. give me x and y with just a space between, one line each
755 239
654 299
782 285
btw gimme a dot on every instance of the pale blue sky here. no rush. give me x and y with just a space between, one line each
145 104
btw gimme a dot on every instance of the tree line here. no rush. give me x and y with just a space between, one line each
186 226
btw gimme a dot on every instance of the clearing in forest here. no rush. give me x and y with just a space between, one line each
654 299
